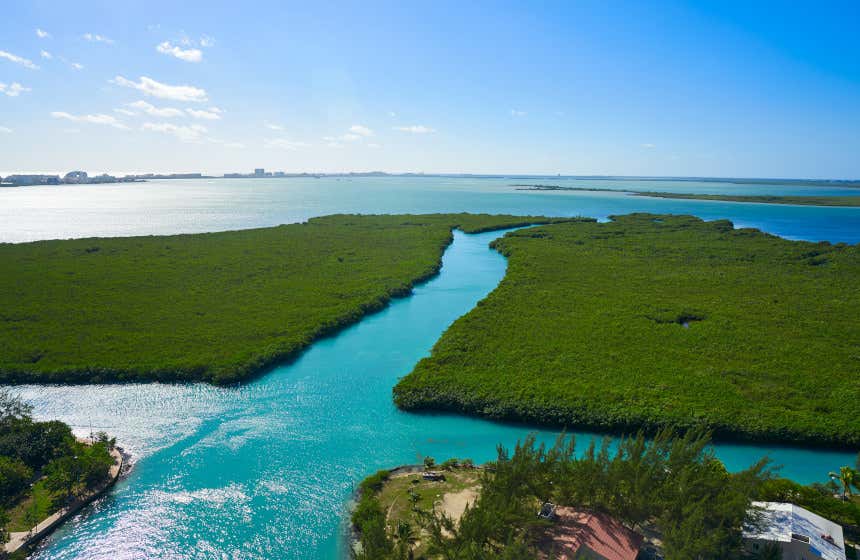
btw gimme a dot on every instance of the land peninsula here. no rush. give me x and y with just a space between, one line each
653 321
849 200
216 307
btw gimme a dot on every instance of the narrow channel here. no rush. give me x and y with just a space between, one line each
265 470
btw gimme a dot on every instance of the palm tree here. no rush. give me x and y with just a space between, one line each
847 477
405 539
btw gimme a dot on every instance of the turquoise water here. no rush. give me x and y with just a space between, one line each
189 206
265 470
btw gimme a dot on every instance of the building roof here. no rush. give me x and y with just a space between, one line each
783 522
598 532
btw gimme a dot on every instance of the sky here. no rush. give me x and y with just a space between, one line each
660 88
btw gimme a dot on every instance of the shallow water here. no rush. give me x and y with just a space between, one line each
265 470
190 206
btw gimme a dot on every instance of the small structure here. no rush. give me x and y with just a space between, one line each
801 534
592 535
432 476
547 511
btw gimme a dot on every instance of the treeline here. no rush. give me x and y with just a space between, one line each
218 307
45 456
658 321
672 484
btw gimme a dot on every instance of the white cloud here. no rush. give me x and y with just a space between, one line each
648 146
163 91
46 55
6 130
361 130
273 126
191 133
18 60
374 146
12 90
42 34
188 55
334 144
213 114
392 114
515 113
226 143
284 144
92 119
416 129
125 112
207 41
150 109
77 66
96 38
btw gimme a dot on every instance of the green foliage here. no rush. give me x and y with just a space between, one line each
659 321
14 479
29 448
851 200
674 480
218 307
429 462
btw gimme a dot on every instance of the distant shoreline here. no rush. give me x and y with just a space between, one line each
840 201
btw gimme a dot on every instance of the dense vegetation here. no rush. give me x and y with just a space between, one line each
216 307
655 321
672 485
47 454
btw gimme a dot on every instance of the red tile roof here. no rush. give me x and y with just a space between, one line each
600 533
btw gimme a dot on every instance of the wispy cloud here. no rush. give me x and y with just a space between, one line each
92 119
416 129
12 90
163 91
18 60
188 55
284 144
152 110
648 146
213 114
42 34
125 112
96 38
6 130
190 133
273 126
360 130
77 65
516 113
46 55
206 41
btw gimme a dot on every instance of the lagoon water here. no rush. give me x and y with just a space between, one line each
265 470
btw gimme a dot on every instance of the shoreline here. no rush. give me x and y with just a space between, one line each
25 540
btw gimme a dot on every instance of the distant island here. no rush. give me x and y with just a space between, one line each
851 200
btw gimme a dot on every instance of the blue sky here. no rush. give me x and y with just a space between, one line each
622 88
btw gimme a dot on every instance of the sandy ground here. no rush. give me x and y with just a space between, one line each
454 504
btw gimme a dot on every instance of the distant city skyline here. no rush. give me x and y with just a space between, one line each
707 89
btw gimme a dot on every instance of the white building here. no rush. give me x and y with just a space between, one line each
801 534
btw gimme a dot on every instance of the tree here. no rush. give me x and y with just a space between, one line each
12 407
429 462
847 477
405 535
14 478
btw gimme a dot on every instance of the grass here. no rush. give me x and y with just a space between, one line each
217 307
36 505
653 321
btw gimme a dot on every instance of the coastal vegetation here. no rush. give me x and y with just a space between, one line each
842 200
652 321
216 307
671 487
42 466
